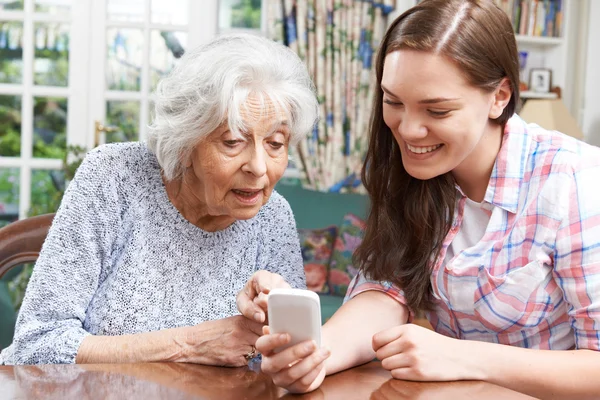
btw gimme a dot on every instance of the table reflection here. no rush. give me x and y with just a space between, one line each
398 390
190 381
144 381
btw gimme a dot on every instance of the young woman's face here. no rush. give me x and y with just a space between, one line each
435 115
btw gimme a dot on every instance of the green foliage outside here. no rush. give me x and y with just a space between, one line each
56 71
14 5
246 14
11 65
10 126
126 116
9 188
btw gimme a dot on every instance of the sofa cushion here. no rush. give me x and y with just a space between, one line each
329 305
314 210
341 268
317 246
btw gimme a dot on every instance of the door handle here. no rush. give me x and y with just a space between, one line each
100 128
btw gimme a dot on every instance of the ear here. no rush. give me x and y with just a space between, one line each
187 161
502 97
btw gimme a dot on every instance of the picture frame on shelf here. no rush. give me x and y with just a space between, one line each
540 80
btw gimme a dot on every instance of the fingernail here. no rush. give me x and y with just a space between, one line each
324 352
309 346
283 337
258 317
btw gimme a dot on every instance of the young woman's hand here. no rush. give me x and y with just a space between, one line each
299 369
252 299
414 353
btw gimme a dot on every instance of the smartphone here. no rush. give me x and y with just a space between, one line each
296 312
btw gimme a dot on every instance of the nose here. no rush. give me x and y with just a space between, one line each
257 161
411 128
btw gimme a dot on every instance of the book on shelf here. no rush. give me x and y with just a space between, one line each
543 18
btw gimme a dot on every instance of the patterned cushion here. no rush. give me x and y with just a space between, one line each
341 269
317 246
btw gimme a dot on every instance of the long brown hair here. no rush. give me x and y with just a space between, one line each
410 218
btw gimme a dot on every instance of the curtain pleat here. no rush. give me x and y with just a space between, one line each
337 40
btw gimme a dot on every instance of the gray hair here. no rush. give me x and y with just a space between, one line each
211 84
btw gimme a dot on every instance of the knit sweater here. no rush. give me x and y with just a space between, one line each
120 259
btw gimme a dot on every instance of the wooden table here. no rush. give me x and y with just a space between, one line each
188 381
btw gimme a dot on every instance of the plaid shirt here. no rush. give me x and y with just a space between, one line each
533 280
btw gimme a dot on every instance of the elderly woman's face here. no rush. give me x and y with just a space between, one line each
236 173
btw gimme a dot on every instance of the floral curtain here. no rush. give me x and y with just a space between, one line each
337 40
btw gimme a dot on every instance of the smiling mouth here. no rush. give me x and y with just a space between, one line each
423 149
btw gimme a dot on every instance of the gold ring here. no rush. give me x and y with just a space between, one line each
251 354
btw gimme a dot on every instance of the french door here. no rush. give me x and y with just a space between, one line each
82 72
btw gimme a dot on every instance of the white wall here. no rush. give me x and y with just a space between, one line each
591 105
401 6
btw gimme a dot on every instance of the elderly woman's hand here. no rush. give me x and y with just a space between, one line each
252 299
221 342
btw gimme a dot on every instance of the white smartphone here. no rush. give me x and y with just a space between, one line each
296 312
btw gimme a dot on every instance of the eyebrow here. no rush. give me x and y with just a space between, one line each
272 129
424 101
276 127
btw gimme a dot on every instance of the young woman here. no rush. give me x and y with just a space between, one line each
490 225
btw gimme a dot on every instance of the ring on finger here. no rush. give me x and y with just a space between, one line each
251 354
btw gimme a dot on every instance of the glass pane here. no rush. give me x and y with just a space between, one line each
11 52
11 4
9 195
47 188
124 63
125 115
59 7
172 12
16 281
166 48
10 126
239 14
49 127
125 10
51 63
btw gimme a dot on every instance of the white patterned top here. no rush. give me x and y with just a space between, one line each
120 259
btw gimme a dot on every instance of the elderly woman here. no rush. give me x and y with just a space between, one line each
153 241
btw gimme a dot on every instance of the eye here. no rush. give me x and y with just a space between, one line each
392 103
231 143
439 113
276 145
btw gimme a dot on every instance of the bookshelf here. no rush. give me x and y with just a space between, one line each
539 41
535 18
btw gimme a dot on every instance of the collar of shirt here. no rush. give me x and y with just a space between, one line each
506 181
509 169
